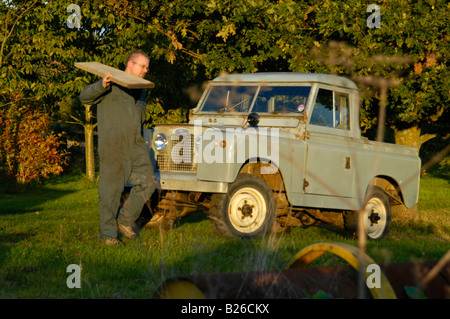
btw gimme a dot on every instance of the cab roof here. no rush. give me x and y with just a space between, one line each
283 77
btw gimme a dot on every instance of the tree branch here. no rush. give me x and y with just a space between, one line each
5 39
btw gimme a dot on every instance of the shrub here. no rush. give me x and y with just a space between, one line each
29 151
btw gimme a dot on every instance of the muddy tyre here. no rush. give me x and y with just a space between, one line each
246 211
376 215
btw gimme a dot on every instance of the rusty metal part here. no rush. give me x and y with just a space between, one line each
351 255
329 217
411 274
170 206
336 282
307 220
289 221
297 281
179 204
283 284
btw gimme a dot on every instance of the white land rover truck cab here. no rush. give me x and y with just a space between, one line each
265 151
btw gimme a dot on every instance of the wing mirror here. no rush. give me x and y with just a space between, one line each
253 119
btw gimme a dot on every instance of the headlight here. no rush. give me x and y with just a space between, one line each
160 141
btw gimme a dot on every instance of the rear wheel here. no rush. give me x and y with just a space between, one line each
376 215
247 210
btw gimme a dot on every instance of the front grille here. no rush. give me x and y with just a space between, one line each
179 153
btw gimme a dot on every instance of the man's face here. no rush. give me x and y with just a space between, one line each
138 66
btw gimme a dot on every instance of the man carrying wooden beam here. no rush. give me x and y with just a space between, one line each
122 151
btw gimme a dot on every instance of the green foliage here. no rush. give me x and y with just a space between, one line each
319 295
411 45
157 115
55 224
414 292
192 41
37 57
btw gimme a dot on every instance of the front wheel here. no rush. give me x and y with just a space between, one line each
247 210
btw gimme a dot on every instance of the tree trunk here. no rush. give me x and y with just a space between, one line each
89 151
89 143
411 137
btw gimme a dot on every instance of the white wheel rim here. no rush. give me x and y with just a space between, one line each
375 218
247 210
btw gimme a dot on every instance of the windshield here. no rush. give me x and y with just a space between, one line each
227 98
260 99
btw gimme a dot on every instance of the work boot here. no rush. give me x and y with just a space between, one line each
112 242
127 231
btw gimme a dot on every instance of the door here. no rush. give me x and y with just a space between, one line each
329 159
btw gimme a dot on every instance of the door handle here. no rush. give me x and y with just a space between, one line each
347 163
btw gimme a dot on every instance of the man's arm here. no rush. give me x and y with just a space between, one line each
93 94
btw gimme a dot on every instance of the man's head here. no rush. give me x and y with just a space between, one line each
137 63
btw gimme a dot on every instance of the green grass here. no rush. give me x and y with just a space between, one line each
54 224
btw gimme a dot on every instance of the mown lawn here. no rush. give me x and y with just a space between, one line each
54 224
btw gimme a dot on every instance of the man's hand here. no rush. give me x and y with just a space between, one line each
107 80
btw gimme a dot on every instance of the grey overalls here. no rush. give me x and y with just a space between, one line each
122 154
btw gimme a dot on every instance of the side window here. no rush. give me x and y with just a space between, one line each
323 109
342 116
331 110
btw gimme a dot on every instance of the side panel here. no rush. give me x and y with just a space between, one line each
327 179
225 151
329 170
395 162
292 166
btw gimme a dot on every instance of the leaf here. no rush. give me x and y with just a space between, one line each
414 292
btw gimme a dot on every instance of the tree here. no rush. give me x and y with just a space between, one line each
38 52
88 123
29 150
417 31
192 41
410 47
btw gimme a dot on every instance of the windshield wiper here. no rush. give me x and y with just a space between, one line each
226 108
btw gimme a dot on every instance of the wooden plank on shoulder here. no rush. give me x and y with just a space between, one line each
120 77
